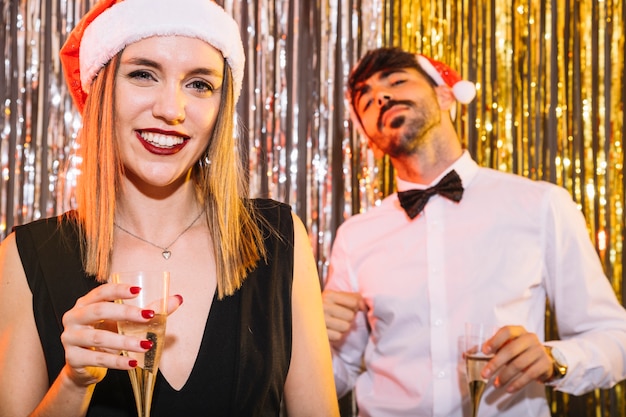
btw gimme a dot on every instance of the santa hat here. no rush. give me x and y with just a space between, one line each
111 25
464 91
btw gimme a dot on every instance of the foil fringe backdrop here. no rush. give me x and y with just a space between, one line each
39 123
549 106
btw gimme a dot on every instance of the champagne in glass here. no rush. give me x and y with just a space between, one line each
153 296
476 334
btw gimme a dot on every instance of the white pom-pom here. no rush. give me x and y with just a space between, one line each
464 91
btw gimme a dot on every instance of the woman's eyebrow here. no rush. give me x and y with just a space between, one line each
146 62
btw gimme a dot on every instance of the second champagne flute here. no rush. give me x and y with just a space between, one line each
476 334
153 296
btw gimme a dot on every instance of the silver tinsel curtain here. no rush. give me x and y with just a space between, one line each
551 89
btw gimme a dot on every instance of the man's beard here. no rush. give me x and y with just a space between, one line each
410 133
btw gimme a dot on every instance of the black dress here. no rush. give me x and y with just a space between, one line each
246 348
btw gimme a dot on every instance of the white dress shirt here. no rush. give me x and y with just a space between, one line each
494 257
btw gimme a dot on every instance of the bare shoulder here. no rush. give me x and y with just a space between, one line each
23 377
14 292
11 270
305 269
299 231
310 388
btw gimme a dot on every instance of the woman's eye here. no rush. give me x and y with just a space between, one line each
201 86
141 75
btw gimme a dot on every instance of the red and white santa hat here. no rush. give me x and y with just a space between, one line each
111 25
464 91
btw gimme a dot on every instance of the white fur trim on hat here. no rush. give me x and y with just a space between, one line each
430 69
132 20
464 91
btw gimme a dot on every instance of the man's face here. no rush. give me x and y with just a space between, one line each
397 108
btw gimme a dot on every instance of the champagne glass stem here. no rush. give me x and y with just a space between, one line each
153 296
143 377
475 365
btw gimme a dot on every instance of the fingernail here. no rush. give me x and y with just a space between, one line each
132 363
180 298
147 314
146 344
486 372
135 290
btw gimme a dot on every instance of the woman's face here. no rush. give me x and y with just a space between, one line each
167 97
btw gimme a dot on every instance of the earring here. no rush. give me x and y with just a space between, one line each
204 162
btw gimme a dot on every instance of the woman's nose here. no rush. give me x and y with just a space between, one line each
170 105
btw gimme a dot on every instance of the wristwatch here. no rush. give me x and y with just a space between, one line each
559 366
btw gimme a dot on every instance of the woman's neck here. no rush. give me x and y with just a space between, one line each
146 211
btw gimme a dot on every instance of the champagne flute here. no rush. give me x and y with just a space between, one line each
476 334
153 296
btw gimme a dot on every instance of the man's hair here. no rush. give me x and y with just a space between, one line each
381 59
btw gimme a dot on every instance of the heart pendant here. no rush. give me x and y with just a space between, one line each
166 254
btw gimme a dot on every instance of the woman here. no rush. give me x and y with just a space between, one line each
156 82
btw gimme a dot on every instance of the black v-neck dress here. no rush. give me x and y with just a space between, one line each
246 347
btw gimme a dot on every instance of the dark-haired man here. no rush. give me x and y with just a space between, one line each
474 245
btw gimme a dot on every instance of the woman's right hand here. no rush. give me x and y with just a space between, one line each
90 338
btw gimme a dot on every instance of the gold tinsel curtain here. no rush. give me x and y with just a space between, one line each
549 106
550 78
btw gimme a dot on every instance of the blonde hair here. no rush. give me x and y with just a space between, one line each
218 176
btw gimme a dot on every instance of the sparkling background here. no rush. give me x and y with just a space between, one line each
551 89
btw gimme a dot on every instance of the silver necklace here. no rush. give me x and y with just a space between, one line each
165 250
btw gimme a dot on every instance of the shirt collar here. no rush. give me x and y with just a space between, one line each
465 166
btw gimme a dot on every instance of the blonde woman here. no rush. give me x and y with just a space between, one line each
161 188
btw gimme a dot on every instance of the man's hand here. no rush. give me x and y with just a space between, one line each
340 308
520 358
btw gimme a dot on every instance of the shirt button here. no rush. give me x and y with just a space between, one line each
438 322
441 374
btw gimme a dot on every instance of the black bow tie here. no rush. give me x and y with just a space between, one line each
413 201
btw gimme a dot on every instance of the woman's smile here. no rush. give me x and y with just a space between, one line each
161 143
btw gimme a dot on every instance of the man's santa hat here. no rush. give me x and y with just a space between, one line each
111 25
464 91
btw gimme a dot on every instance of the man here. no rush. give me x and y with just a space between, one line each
487 247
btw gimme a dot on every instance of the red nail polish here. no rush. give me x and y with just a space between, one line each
132 363
147 314
146 344
180 298
135 290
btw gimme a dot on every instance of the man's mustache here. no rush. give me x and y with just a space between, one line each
387 106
